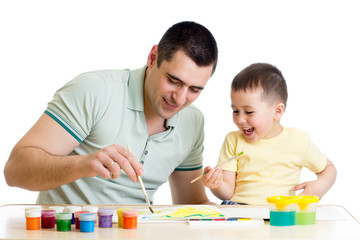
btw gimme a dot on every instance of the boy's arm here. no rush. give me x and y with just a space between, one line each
319 187
220 182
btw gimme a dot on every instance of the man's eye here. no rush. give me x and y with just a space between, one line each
194 90
174 82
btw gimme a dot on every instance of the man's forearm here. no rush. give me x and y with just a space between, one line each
34 169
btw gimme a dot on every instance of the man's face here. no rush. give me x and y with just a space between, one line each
174 85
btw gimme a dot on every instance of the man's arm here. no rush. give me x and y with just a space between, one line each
184 192
39 160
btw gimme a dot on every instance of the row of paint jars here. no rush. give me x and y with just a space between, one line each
84 220
292 210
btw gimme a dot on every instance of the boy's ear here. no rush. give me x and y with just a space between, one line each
279 110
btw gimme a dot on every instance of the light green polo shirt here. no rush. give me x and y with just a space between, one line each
106 107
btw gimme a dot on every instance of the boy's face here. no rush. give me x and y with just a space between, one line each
254 116
174 85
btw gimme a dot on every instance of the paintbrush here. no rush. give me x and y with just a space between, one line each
143 189
221 164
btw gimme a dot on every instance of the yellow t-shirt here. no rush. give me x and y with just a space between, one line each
269 167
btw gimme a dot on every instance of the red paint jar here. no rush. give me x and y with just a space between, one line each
48 218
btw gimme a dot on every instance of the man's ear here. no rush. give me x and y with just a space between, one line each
152 57
279 110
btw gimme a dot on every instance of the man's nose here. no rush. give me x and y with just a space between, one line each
180 96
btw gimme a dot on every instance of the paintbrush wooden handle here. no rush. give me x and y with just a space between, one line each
221 164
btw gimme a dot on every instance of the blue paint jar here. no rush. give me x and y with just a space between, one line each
87 222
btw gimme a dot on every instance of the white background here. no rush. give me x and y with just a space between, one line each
316 44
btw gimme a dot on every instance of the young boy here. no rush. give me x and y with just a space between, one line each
273 155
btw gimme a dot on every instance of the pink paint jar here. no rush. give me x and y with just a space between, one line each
48 218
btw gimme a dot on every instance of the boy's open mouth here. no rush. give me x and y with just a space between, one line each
248 131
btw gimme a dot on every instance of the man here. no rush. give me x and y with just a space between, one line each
77 153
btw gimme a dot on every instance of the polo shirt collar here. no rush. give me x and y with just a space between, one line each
136 94
136 89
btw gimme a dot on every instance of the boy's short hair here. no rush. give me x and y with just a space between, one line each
263 75
194 39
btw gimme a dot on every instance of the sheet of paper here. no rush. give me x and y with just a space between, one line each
176 213
322 213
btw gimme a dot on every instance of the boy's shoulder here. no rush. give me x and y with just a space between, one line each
295 132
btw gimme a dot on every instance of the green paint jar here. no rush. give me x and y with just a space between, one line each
63 221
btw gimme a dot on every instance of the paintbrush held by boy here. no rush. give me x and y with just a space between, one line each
273 155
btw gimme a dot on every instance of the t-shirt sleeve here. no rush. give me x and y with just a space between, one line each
79 104
194 161
228 150
314 160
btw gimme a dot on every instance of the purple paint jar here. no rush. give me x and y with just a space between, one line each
105 217
48 218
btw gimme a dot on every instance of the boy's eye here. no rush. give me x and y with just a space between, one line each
235 111
249 113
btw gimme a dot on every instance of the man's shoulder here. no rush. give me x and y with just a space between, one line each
192 111
106 75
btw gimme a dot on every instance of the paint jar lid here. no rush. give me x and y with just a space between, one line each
87 217
105 212
28 209
77 213
64 216
281 202
48 213
58 209
33 214
306 199
92 209
130 213
304 202
37 208
72 209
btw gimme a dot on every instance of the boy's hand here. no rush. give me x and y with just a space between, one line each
311 188
319 187
213 177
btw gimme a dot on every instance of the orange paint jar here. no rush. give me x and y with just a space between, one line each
32 220
130 219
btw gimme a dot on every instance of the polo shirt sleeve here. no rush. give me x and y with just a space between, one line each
314 160
194 160
80 104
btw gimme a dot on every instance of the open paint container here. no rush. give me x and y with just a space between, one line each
282 210
306 210
292 210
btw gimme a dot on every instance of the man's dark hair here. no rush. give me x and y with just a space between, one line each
194 39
